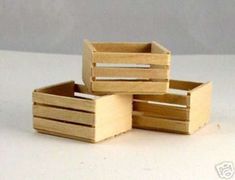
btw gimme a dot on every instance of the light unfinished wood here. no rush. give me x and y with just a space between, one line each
64 114
156 123
131 58
183 85
88 51
158 48
155 74
63 101
166 111
200 105
122 47
138 87
64 128
76 117
130 72
165 98
182 113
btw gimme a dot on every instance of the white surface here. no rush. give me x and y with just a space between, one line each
139 154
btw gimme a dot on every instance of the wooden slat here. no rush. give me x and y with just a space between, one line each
129 86
66 136
183 85
131 72
165 98
64 115
87 55
121 47
62 101
165 111
146 122
64 128
131 58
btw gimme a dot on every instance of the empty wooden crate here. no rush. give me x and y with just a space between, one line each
64 110
174 112
138 68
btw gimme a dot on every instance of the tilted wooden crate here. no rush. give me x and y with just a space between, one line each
174 112
138 68
60 110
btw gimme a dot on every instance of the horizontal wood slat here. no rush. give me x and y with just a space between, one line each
165 111
129 87
64 114
131 58
165 98
153 123
130 72
62 101
64 128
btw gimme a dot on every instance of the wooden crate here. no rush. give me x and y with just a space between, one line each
138 68
64 110
174 112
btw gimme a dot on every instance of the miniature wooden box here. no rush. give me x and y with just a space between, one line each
64 110
138 68
174 112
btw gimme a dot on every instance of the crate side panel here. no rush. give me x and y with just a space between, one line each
62 101
169 112
113 115
153 123
63 128
64 114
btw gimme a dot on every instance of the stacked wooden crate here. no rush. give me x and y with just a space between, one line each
125 84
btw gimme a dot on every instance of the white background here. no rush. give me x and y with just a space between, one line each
138 154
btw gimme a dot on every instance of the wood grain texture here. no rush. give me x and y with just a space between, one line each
200 106
64 128
90 120
130 72
165 98
164 111
152 54
153 123
64 115
195 113
131 58
87 56
63 101
129 87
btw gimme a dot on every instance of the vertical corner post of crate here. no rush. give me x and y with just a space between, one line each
200 106
166 54
87 64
